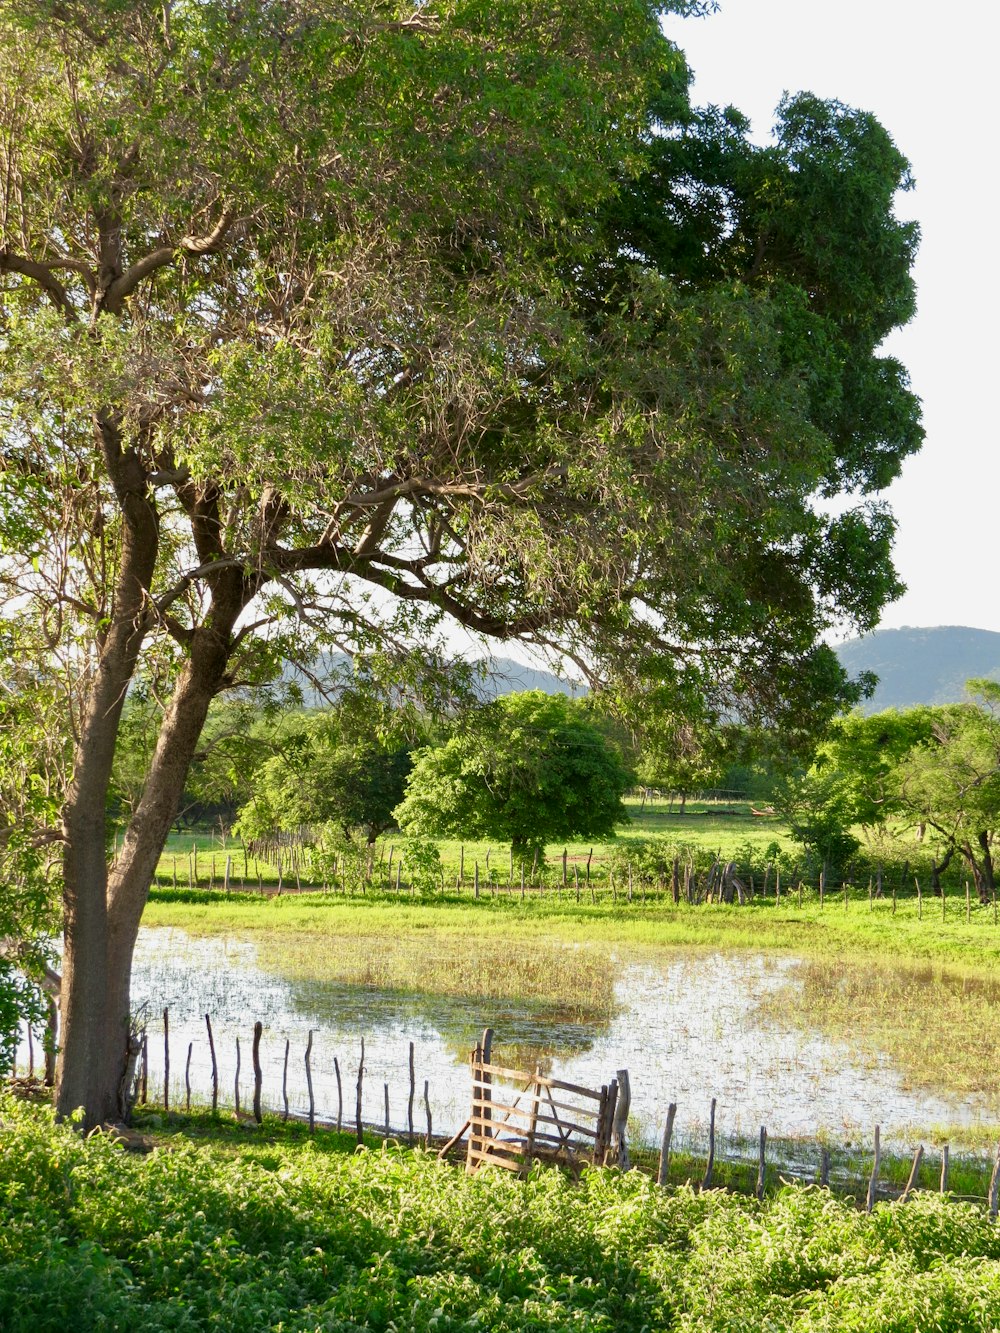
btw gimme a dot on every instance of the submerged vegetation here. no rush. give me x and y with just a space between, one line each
256 1230
481 966
940 1026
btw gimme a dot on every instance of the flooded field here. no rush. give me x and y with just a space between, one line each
687 1026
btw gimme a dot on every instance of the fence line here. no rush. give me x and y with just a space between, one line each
678 880
544 1118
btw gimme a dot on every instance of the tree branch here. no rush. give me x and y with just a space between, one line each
345 562
44 276
210 244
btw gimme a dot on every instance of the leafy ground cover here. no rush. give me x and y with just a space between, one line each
233 1229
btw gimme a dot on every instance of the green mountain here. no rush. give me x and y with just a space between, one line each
922 666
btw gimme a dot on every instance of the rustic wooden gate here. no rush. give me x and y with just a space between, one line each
519 1117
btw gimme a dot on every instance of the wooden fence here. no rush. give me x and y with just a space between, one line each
518 1118
585 878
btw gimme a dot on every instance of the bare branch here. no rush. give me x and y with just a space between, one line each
345 562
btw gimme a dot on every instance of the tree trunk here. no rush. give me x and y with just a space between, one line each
91 1018
104 908
938 869
988 888
981 867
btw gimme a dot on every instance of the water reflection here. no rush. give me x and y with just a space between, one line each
687 1027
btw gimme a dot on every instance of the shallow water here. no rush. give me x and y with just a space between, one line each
686 1026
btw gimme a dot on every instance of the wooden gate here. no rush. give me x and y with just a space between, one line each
520 1117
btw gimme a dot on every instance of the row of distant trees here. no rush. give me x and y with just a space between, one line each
530 769
524 769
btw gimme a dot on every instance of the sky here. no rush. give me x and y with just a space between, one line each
928 73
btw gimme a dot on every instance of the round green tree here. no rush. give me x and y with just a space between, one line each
526 769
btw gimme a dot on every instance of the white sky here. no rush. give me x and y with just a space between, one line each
929 75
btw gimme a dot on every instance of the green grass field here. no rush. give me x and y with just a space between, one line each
644 849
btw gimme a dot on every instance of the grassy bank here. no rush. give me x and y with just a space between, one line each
835 929
251 1230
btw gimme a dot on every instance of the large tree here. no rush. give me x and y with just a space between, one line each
527 769
338 772
325 320
949 780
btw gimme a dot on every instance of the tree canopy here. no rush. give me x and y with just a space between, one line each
334 323
341 769
527 769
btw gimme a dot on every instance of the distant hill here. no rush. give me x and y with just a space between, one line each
922 666
505 676
502 676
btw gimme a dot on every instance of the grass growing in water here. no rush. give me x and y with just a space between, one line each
576 981
939 1026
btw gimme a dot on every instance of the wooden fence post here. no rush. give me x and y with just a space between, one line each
215 1066
620 1141
340 1093
945 1152
409 1104
357 1107
427 1108
236 1082
258 1076
309 1082
529 1146
995 1185
284 1078
166 1060
668 1129
761 1165
911 1183
187 1078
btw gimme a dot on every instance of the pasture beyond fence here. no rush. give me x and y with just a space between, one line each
574 878
520 1118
